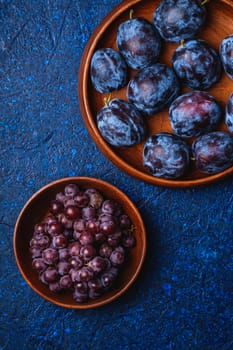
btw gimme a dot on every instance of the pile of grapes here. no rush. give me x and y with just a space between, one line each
193 116
82 245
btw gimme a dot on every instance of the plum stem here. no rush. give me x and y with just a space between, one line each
131 14
107 99
182 43
192 158
204 2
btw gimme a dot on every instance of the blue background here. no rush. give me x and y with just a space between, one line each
183 297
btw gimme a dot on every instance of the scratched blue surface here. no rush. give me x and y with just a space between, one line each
183 297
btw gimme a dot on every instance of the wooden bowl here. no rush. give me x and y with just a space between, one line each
37 208
219 24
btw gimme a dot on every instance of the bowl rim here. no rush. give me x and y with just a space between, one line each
123 197
85 108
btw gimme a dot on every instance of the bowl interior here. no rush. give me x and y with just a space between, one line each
37 208
219 24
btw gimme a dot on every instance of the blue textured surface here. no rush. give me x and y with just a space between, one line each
183 298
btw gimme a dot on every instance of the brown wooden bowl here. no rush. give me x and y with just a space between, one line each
37 208
219 24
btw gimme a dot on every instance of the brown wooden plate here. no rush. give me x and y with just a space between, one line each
219 24
36 209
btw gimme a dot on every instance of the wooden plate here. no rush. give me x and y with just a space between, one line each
219 24
36 209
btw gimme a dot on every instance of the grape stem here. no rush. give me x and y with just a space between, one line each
131 229
204 2
182 43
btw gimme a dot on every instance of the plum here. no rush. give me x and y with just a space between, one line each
179 19
194 113
138 42
213 152
121 124
229 113
166 155
197 64
108 70
226 55
153 88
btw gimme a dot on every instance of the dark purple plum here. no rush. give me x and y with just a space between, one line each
153 88
213 152
121 124
139 42
166 155
179 19
108 70
226 55
229 113
194 113
197 64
